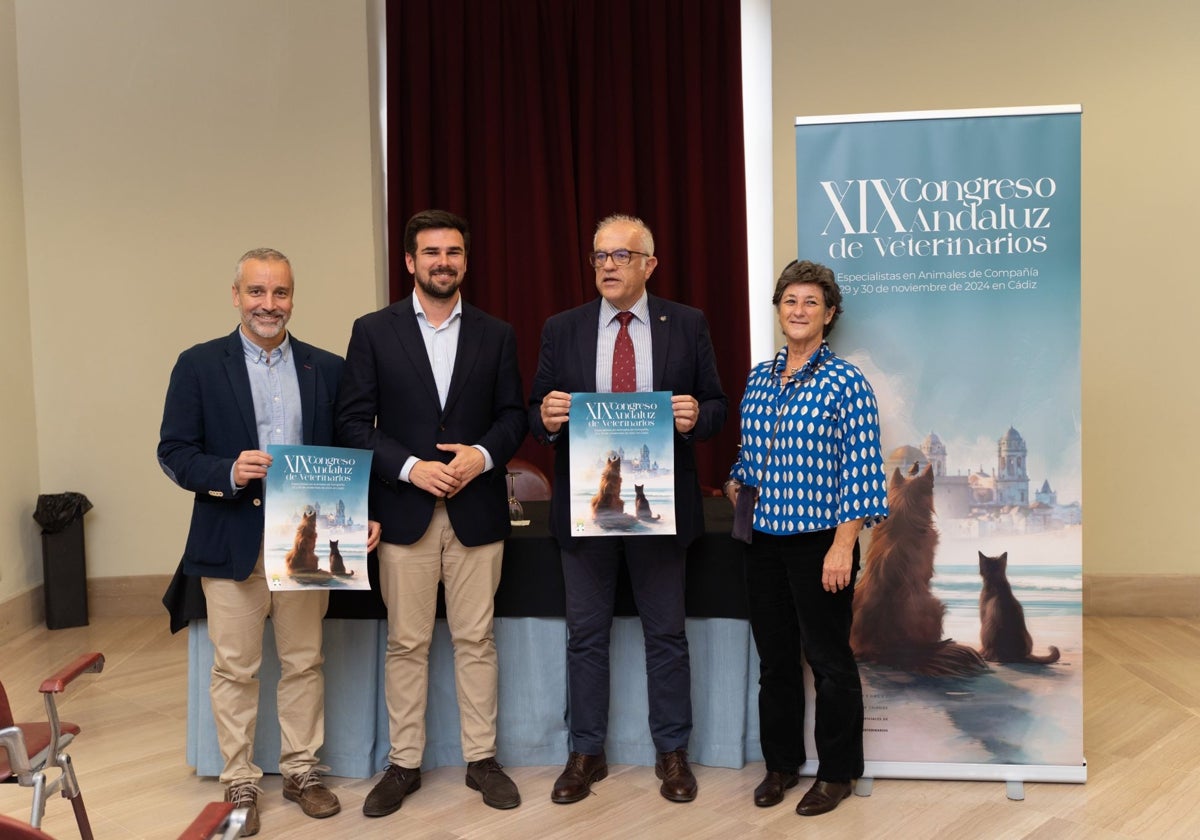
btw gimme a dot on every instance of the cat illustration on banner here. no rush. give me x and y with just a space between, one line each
336 564
898 621
1002 632
642 505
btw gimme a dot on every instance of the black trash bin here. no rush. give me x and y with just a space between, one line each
63 566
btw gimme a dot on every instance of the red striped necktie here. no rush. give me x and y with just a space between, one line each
624 365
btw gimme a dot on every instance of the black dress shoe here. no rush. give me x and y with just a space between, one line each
488 777
388 794
822 798
576 780
770 790
678 783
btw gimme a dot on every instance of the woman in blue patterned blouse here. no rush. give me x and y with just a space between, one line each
810 444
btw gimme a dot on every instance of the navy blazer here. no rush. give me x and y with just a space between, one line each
208 420
684 363
388 403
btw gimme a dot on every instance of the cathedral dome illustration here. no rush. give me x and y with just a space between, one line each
1012 439
902 458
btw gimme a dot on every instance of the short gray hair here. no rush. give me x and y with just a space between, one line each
267 254
647 236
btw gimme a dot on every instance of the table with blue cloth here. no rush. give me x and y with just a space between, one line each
531 641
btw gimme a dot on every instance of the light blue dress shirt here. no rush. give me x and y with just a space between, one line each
275 392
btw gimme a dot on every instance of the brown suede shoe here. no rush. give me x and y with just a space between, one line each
388 794
316 800
245 795
488 777
576 780
679 785
822 798
770 790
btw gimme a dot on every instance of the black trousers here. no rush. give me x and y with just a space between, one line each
657 568
793 618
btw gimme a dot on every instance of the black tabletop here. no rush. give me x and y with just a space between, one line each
531 583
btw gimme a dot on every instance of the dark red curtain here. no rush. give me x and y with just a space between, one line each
536 118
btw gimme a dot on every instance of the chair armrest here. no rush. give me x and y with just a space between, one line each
12 742
216 816
88 663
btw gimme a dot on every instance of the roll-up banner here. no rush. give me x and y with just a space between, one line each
955 238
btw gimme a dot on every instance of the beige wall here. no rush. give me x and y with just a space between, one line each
159 142
20 546
1134 68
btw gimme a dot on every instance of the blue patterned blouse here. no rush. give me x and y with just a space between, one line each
825 466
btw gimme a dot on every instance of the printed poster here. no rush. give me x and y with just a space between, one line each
955 237
622 464
315 535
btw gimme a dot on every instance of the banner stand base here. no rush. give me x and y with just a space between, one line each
1013 775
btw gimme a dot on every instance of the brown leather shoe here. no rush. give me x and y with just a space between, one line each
488 777
388 794
679 785
316 800
822 798
577 778
770 790
245 795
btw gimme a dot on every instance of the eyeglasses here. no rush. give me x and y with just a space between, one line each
621 256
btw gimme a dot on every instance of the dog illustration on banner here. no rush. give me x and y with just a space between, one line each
302 561
608 508
897 619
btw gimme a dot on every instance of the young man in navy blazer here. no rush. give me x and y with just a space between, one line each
227 400
431 384
671 351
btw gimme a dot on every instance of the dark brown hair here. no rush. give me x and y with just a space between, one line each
435 220
803 271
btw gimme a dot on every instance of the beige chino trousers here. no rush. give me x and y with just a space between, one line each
408 578
237 614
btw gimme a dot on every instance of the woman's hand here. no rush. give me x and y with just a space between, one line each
839 560
731 488
835 576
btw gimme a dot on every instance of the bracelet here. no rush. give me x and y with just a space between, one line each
729 481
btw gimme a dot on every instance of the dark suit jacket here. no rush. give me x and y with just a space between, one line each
207 421
388 402
684 363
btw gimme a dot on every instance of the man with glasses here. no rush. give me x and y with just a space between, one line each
627 340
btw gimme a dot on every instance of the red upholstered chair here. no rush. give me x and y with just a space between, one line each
218 819
11 829
531 483
32 749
